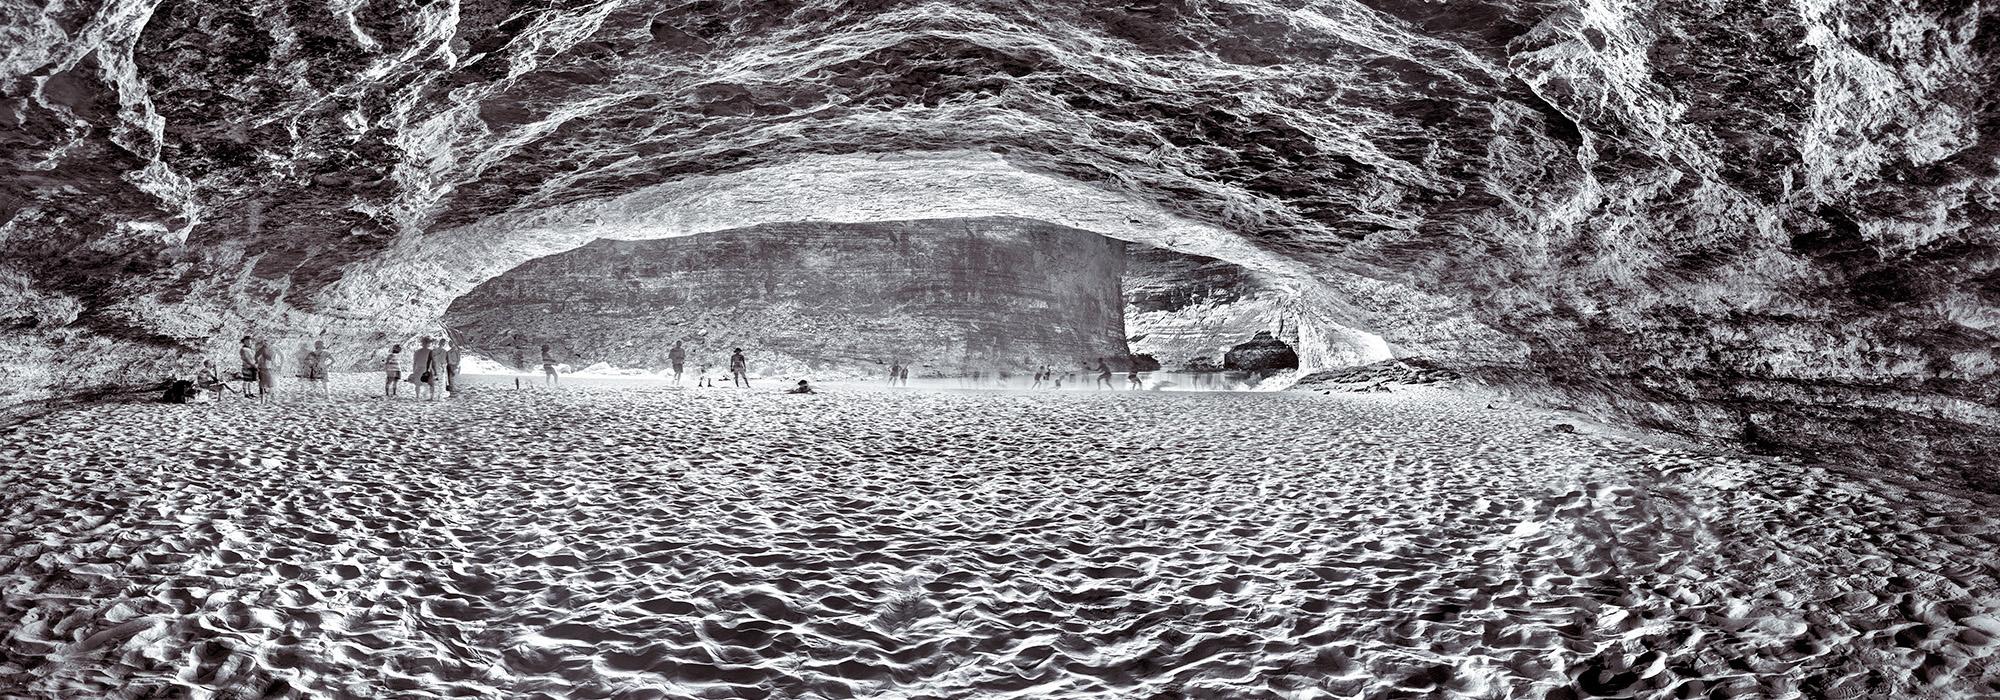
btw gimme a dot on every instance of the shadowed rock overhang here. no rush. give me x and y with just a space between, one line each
1758 221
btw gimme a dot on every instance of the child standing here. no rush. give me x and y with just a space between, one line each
392 369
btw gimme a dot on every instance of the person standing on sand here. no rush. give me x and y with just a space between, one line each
739 369
319 364
678 356
451 358
895 370
246 351
267 370
549 367
392 371
1103 374
1132 379
425 366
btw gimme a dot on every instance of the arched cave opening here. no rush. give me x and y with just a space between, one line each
994 297
1721 281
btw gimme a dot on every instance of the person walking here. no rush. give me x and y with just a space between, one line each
549 368
1132 379
267 371
451 360
895 371
392 372
1103 374
739 369
678 357
425 367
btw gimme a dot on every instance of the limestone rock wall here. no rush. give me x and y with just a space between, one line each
1762 221
821 299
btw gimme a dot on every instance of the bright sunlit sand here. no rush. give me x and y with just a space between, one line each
640 541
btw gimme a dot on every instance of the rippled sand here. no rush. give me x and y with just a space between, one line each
598 542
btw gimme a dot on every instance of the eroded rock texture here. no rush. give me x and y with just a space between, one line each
1186 311
1757 220
943 296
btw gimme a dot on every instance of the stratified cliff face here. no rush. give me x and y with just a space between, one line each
1749 220
1189 310
946 296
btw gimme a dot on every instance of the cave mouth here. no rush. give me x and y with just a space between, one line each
978 301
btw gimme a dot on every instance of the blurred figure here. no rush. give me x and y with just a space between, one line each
451 360
802 388
267 370
1132 378
549 367
426 367
319 364
895 372
739 369
1103 374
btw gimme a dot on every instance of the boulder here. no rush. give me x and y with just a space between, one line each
1262 354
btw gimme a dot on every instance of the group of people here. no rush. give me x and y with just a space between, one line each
261 365
256 378
1131 376
739 368
431 368
434 365
1046 375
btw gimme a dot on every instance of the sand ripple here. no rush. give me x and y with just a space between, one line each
649 543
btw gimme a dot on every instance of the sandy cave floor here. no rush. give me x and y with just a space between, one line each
599 542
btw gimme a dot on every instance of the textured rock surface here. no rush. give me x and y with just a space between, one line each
1263 353
1759 220
1181 308
840 299
1184 309
1376 376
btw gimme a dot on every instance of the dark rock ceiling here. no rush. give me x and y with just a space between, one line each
1759 221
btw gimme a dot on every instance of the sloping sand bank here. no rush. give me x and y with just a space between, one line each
595 542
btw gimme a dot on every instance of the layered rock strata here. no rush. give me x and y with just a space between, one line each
1761 221
945 297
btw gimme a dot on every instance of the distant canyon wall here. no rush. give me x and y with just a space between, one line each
1188 310
814 298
